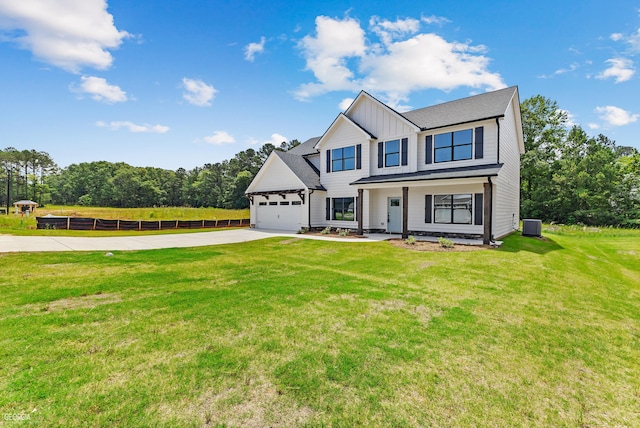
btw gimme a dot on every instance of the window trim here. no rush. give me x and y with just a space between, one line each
388 153
452 146
333 208
452 208
341 159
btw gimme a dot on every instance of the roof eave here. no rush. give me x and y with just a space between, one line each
423 129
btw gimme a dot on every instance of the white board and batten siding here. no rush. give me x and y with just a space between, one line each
385 125
506 212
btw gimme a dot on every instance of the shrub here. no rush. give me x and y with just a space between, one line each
445 243
411 240
343 232
326 230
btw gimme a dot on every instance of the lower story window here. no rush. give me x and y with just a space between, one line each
344 209
456 209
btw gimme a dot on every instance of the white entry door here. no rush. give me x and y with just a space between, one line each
394 215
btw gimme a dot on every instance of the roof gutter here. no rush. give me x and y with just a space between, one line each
461 123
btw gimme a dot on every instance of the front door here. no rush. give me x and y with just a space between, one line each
394 215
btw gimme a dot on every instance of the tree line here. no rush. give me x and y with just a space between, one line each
570 177
109 184
567 176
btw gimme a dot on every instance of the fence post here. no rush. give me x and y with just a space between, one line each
118 224
68 222
94 223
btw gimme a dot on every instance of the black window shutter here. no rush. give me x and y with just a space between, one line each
328 208
427 208
405 150
328 160
428 149
359 156
380 154
479 142
477 217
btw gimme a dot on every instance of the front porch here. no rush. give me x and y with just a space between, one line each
461 209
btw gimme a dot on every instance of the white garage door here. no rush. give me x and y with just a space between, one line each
283 215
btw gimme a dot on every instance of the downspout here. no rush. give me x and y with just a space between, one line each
309 192
491 202
498 148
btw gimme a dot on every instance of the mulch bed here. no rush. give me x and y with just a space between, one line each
436 247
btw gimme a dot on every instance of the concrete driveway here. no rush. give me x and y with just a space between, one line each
10 243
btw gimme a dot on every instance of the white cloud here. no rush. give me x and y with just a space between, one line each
69 34
572 67
197 92
344 104
615 116
634 41
341 59
621 69
391 30
593 126
132 127
276 140
252 49
326 55
439 20
219 137
427 61
100 90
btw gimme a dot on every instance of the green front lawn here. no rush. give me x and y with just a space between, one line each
290 332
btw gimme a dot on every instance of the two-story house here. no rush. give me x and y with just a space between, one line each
452 169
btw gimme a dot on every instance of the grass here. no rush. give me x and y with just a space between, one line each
295 332
17 225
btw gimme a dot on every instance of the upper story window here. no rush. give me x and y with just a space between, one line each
453 146
392 153
343 159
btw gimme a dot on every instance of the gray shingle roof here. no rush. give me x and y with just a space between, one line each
478 107
302 169
305 148
437 174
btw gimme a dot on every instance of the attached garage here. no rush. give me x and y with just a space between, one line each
279 215
280 193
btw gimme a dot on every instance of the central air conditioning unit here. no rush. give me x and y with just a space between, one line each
531 227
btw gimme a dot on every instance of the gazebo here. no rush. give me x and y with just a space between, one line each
25 206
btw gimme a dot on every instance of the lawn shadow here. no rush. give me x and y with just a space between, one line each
539 245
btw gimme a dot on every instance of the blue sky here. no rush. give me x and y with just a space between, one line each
180 84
